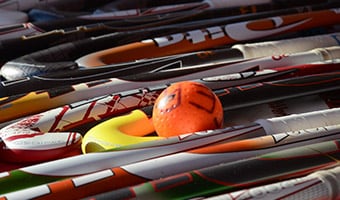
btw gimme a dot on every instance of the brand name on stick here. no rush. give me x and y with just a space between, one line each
237 31
195 36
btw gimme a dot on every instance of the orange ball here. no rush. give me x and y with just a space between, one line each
186 107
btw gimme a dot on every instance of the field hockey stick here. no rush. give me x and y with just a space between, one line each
117 136
164 169
242 7
325 183
137 13
273 89
268 62
278 47
177 7
31 64
61 32
53 98
100 137
21 105
64 167
17 144
24 5
219 35
22 39
128 97
32 38
203 58
57 93
270 167
147 79
89 163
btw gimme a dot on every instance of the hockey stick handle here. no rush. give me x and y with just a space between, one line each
325 184
300 121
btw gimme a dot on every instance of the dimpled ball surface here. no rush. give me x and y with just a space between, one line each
186 107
